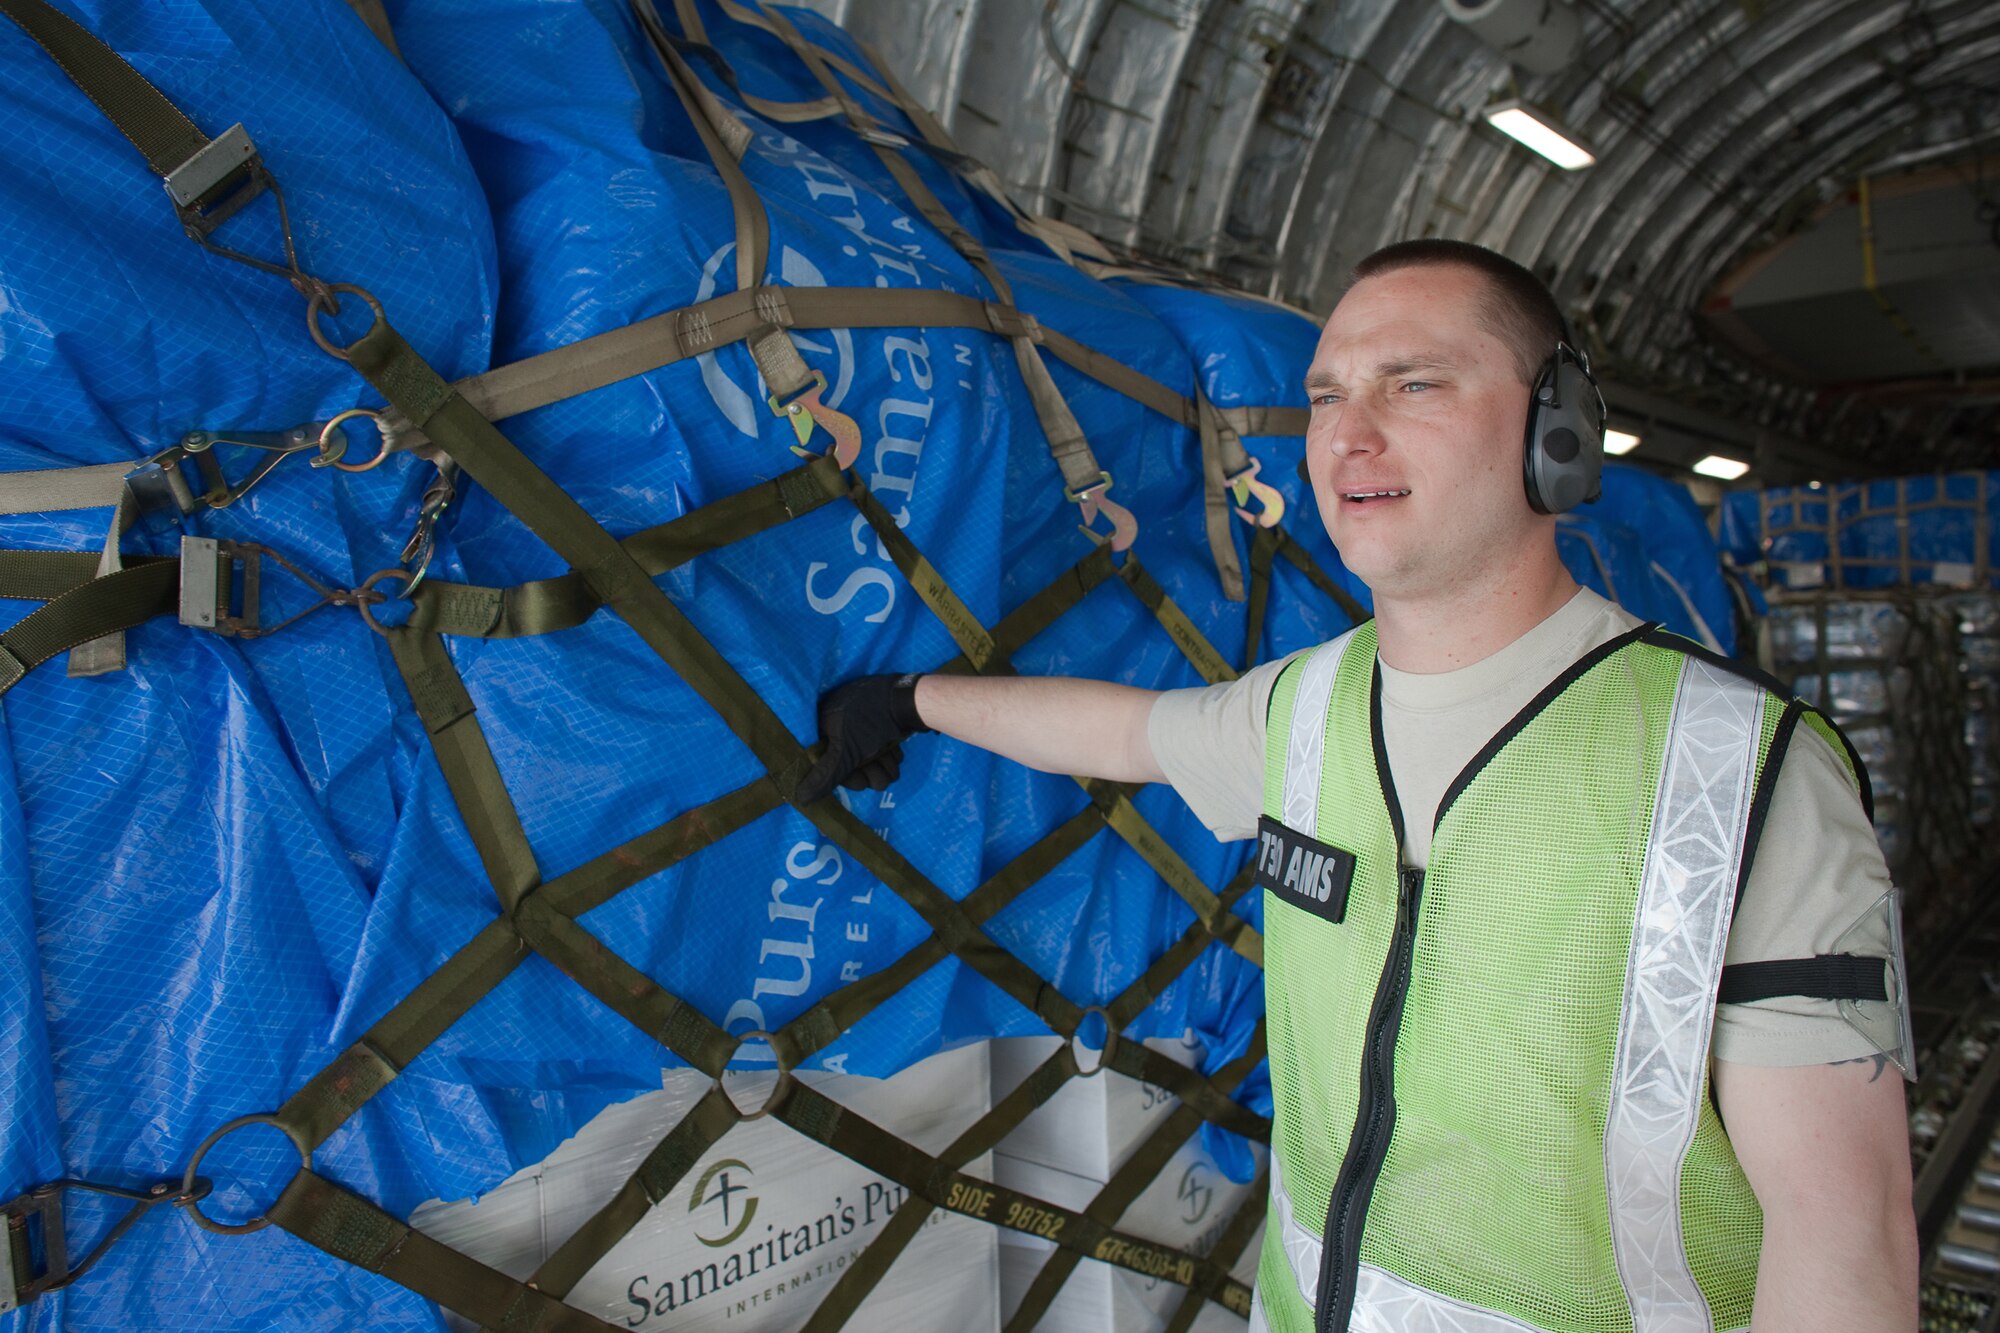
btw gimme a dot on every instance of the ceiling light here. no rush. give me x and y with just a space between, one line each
1721 468
1541 132
1620 442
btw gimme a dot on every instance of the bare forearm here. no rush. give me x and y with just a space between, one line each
1057 724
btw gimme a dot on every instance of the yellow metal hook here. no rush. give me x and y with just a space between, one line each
1271 502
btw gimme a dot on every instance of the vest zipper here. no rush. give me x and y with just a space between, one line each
1375 1120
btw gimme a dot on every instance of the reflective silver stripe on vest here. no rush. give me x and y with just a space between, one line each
1687 894
1306 747
1385 1303
1302 1247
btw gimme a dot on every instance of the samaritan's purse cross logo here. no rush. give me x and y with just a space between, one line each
724 1189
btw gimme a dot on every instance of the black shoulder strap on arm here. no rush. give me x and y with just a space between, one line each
1829 976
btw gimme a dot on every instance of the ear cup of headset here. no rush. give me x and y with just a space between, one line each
1563 463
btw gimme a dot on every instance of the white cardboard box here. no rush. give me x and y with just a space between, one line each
759 1231
1187 1206
1065 1152
1092 1124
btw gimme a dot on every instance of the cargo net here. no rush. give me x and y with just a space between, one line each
1900 532
608 574
1912 675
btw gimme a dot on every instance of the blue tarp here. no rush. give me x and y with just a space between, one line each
221 865
224 863
189 848
1646 545
1865 534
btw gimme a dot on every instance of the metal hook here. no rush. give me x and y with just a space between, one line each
1271 501
1092 500
805 409
417 552
156 492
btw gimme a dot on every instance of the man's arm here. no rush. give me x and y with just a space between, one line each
1091 728
1826 1148
1058 724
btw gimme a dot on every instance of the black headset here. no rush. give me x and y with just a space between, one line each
1563 462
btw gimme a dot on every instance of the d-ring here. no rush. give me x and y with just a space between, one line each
326 433
188 1180
778 1091
317 300
362 604
1110 1041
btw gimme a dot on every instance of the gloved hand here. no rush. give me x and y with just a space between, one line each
864 724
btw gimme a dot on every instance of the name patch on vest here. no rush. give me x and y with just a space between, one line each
1305 872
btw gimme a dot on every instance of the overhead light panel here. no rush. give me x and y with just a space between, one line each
1620 442
1540 131
1722 468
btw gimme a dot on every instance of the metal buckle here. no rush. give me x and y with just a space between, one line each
882 138
19 1281
208 575
209 188
208 587
163 498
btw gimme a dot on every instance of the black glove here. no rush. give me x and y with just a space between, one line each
864 724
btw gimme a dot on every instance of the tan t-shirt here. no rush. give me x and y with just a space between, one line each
1818 867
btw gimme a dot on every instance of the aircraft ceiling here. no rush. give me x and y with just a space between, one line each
1270 143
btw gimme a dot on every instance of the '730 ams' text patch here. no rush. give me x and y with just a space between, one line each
1305 872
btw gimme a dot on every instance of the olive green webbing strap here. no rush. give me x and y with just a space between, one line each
487 456
793 1044
1129 1181
1265 547
1112 799
138 110
931 1178
725 138
1222 457
673 336
43 576
79 614
445 708
1229 1247
545 606
662 1169
369 1064
1187 636
1066 441
341 1223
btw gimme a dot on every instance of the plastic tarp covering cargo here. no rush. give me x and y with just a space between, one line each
222 864
1877 534
192 849
1645 545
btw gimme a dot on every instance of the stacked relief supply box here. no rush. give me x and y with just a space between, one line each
1882 614
1069 1148
760 1229
1978 616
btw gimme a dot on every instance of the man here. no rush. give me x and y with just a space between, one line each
1505 834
